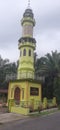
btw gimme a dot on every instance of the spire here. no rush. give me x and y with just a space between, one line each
28 3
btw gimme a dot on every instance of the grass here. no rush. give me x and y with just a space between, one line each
35 114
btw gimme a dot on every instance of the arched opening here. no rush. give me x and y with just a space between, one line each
17 95
24 52
29 52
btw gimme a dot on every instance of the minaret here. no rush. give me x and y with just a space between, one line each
24 94
27 45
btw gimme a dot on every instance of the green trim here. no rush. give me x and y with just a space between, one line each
27 45
27 23
29 69
27 62
26 80
29 36
26 39
30 20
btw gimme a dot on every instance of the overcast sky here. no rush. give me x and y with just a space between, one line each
46 31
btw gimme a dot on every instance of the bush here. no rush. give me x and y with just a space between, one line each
45 103
54 102
40 107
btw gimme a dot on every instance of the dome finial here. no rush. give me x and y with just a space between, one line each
28 3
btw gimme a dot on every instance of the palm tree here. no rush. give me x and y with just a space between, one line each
49 67
53 63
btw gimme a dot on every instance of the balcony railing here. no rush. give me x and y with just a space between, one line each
25 76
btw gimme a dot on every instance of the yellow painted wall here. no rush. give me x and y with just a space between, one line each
26 85
35 85
26 61
24 111
32 100
12 86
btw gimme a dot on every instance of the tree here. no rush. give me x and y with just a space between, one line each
7 71
53 63
49 67
57 89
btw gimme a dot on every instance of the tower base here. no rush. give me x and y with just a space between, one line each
24 96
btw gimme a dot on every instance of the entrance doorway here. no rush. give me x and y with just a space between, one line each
17 95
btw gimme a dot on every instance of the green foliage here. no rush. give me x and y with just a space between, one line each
7 71
45 103
49 68
54 102
57 89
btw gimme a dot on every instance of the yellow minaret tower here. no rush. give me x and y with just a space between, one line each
27 46
24 93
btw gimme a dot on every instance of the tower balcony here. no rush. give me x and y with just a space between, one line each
31 42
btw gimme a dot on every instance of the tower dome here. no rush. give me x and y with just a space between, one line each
28 13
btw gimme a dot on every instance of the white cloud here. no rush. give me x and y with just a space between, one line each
47 42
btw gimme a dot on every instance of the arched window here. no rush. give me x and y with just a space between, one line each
17 93
24 52
29 52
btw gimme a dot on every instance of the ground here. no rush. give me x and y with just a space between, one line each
47 122
3 110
